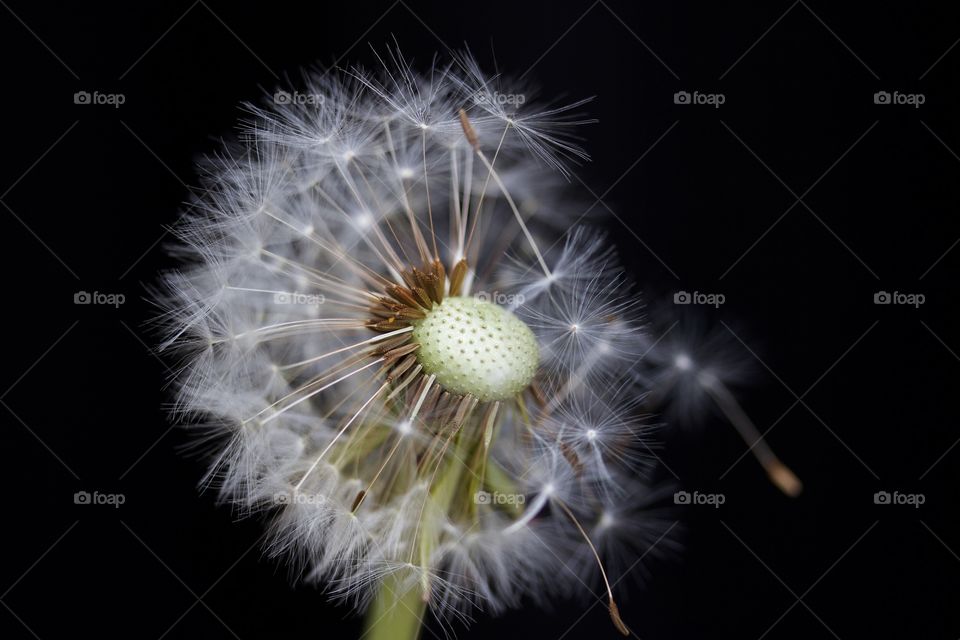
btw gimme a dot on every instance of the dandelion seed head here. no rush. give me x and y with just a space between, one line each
476 347
420 370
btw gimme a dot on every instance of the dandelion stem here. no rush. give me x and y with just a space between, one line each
397 612
516 213
614 611
492 173
779 473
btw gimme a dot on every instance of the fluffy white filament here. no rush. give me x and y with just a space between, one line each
369 468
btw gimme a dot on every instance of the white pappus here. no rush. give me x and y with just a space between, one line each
418 368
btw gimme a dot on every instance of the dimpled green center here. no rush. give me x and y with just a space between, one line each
476 347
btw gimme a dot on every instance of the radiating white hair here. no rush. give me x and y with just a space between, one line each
346 213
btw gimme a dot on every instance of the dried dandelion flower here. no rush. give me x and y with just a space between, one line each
424 375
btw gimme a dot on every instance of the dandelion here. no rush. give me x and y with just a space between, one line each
401 353
689 370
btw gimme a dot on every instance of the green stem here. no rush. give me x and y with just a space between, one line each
395 615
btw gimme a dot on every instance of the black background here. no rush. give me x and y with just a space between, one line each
695 190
